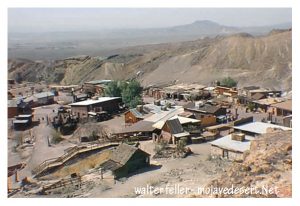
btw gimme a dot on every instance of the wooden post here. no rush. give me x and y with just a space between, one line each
16 176
9 184
101 173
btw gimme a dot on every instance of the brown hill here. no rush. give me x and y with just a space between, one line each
268 166
264 61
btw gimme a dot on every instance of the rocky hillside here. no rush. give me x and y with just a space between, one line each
268 165
264 61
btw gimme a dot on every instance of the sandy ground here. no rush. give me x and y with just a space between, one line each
41 151
191 172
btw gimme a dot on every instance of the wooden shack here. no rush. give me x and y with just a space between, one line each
126 159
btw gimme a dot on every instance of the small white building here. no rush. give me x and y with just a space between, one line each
231 147
257 128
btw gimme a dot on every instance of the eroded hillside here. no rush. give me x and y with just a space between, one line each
268 166
264 61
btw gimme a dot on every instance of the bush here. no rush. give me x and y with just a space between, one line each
68 128
56 137
228 82
161 146
94 136
181 144
251 106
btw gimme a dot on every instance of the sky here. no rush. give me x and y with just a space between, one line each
93 19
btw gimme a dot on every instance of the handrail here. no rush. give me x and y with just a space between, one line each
73 151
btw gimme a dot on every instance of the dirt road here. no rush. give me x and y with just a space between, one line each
41 150
190 172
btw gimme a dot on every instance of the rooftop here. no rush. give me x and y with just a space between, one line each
164 115
268 101
92 101
141 126
12 103
138 114
25 115
185 87
206 108
287 105
258 96
123 153
182 120
251 88
20 121
95 82
227 143
263 90
258 127
43 94
158 109
174 126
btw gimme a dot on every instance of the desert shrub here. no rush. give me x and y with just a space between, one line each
181 144
160 146
56 137
228 82
251 106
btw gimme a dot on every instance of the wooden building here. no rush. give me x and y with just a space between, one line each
12 108
172 131
227 91
135 115
206 113
142 130
22 121
126 159
282 108
44 98
108 104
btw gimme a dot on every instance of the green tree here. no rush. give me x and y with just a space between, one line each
113 89
228 82
132 94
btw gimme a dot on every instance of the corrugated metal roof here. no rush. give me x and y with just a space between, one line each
227 143
43 95
164 115
136 113
258 127
92 101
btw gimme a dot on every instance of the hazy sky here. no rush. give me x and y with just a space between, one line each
75 19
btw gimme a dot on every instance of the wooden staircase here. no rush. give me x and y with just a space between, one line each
55 162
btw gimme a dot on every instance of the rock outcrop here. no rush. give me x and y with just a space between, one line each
268 166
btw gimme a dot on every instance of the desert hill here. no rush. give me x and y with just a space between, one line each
264 60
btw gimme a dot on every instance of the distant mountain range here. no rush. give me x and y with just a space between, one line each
56 45
251 60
